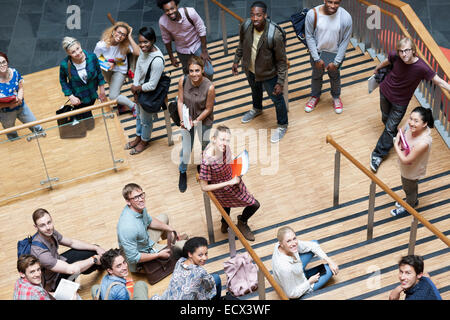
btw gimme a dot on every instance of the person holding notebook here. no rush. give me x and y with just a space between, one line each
328 28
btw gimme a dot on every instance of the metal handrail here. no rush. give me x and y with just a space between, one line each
247 246
382 185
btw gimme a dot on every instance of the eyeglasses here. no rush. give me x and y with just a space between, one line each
122 34
3 63
404 51
139 196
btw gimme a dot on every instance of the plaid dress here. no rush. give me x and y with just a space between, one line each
215 171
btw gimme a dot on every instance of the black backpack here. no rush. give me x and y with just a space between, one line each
24 246
298 21
270 32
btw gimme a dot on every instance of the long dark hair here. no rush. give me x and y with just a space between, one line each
426 115
192 244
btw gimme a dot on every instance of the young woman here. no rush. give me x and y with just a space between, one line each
216 176
80 77
413 164
117 41
190 281
11 88
197 93
150 56
289 261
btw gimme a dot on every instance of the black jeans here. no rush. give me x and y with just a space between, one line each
74 255
247 213
391 115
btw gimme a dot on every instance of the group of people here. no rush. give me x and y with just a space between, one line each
262 54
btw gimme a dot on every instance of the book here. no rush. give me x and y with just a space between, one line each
327 57
186 118
104 64
66 290
372 83
403 143
240 164
7 99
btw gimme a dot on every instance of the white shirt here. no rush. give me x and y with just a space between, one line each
288 271
81 69
327 31
113 52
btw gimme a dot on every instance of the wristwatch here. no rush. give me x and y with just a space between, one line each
95 260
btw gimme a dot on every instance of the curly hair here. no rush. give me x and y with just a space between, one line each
107 36
107 259
161 3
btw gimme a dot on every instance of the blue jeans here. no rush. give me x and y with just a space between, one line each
391 115
317 80
218 286
184 59
278 100
144 124
23 113
306 258
188 142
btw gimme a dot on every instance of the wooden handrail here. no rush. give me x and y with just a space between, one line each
247 246
383 186
234 15
422 32
60 116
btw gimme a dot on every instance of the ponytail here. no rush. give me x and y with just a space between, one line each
426 115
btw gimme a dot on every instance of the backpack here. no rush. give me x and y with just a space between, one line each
24 246
112 284
242 274
298 21
270 31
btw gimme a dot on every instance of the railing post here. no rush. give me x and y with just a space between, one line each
413 236
224 31
371 211
337 172
232 242
104 116
261 285
209 223
207 18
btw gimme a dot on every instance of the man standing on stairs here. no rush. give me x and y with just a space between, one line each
262 49
328 29
186 28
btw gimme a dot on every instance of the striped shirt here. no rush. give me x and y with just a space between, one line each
86 92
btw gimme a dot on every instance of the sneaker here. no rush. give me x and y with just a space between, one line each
398 205
338 106
278 134
245 229
311 104
182 182
398 212
250 115
375 163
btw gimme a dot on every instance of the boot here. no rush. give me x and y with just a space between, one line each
224 227
245 229
182 182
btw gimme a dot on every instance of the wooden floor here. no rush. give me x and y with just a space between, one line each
293 181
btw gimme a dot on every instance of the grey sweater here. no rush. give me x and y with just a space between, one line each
142 65
344 34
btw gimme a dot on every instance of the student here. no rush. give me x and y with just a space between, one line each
190 280
114 282
198 94
138 232
289 260
216 176
29 285
332 32
187 30
414 283
414 164
396 91
264 66
81 258
116 42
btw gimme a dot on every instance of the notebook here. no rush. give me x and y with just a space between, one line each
240 164
327 57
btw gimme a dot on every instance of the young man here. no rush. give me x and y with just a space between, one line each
29 285
264 65
188 31
138 233
416 284
81 258
328 29
396 91
113 261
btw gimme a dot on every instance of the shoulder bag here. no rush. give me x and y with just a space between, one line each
153 101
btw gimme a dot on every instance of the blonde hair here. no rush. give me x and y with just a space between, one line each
282 232
107 36
68 42
406 41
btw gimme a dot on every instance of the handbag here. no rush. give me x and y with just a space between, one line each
158 269
383 72
152 101
173 111
70 127
242 274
